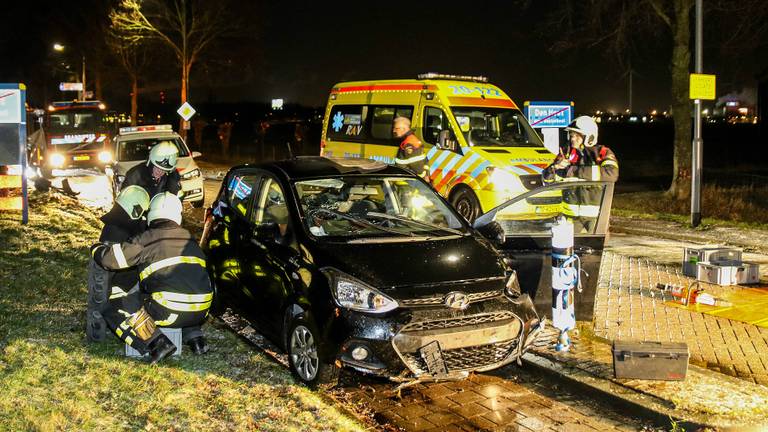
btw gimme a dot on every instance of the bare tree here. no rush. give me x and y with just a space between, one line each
622 25
133 57
187 27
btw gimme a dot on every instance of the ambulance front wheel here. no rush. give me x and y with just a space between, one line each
465 202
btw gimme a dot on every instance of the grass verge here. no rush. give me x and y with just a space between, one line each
738 206
53 380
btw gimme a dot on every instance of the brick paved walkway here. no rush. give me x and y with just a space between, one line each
506 400
628 306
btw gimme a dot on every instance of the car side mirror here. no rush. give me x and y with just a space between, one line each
196 154
494 232
447 140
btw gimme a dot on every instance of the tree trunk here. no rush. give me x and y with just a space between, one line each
184 83
134 100
680 188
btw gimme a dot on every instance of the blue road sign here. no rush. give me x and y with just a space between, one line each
13 135
549 114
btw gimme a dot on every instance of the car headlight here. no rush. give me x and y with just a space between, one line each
502 180
191 174
105 156
56 160
353 294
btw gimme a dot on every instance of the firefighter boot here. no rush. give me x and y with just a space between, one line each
198 345
160 348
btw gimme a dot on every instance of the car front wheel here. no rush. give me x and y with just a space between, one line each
304 354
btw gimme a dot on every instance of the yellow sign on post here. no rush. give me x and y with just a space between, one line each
703 86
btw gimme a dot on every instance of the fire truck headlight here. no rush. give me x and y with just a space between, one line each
105 156
57 160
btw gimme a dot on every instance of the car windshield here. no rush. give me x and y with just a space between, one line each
71 121
138 149
373 206
495 127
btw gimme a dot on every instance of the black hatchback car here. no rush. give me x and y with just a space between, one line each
353 263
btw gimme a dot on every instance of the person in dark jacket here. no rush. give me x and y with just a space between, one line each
159 173
410 153
122 222
585 159
174 289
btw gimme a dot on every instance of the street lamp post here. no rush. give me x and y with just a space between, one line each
697 140
60 48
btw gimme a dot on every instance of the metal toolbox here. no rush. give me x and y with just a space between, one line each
667 361
693 255
748 273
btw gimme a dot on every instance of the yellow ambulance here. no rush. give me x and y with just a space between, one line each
480 149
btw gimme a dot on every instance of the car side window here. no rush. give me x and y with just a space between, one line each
383 117
270 206
435 122
240 191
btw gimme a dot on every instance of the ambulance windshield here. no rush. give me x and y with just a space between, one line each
495 127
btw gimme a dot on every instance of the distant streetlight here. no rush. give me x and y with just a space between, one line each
60 48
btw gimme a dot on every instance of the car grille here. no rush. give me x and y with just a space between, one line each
467 358
438 300
446 323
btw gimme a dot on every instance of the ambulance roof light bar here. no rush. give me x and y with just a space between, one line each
436 76
152 128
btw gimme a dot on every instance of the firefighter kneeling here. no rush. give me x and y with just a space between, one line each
173 290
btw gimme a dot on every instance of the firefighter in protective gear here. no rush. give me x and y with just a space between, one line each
159 173
410 154
584 159
122 222
174 289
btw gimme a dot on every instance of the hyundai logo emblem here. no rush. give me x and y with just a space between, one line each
456 300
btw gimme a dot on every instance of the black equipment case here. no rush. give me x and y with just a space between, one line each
650 360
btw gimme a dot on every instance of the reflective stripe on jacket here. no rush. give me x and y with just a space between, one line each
167 257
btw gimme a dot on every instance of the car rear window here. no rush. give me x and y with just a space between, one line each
138 149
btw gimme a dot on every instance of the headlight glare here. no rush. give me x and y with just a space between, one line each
502 180
105 156
353 294
57 160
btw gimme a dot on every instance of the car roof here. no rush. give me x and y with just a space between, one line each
149 134
304 167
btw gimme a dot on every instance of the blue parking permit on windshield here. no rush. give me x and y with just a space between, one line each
241 188
338 121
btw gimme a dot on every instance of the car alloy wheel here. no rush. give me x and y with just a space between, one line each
303 351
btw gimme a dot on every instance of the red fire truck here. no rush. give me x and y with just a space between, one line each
77 135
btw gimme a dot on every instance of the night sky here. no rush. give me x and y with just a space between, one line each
298 50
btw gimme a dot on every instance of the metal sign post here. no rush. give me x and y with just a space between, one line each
13 148
701 87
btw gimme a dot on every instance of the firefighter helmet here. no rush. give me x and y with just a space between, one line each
586 126
165 205
134 200
164 155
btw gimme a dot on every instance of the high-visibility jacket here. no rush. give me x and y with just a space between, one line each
119 227
141 175
596 163
171 266
410 155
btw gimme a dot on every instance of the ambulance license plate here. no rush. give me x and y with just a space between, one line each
82 158
433 357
